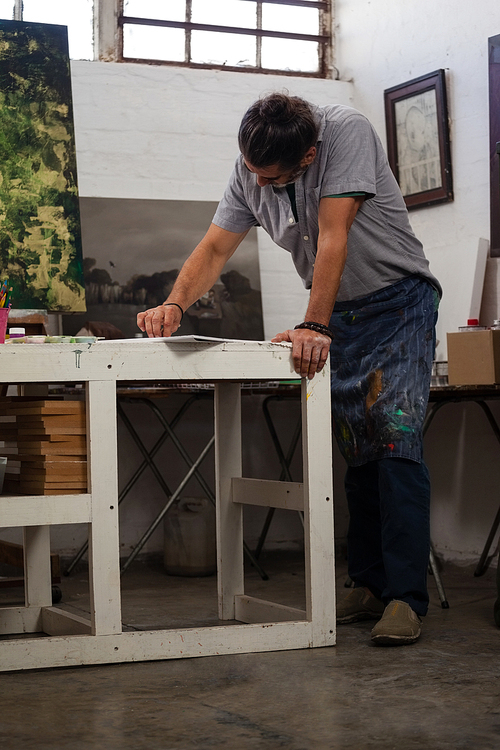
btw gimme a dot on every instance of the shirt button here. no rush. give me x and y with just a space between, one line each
306 237
291 221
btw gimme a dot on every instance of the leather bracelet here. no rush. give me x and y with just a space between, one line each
166 304
318 327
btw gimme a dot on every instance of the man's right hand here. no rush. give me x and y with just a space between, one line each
159 321
309 351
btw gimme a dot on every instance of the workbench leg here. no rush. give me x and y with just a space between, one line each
318 508
229 515
37 575
104 556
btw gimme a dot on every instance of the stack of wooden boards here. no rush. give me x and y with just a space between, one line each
45 442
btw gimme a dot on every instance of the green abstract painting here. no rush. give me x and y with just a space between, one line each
40 236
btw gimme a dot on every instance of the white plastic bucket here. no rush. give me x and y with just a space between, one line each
189 528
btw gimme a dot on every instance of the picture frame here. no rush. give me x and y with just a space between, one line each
418 139
494 108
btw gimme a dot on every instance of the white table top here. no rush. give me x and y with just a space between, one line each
180 359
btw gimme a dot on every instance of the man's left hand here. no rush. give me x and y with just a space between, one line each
309 352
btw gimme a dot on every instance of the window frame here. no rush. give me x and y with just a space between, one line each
324 39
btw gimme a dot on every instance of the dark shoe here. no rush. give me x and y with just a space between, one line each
358 605
398 626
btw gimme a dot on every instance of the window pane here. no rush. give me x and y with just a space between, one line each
161 10
77 15
7 9
225 13
288 54
153 43
215 48
293 20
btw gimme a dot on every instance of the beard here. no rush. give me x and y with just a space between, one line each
294 176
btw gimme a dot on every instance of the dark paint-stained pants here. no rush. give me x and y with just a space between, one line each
381 361
388 538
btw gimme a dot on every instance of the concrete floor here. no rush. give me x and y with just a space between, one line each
443 692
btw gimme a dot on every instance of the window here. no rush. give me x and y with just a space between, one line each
280 36
77 15
289 37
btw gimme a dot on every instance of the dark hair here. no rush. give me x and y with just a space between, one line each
277 129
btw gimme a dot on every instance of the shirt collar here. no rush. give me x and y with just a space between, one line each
320 117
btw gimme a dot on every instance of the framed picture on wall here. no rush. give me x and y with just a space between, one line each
418 141
494 97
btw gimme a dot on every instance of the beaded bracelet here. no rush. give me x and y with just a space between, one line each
166 304
318 327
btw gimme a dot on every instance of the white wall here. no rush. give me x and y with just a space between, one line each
382 44
385 43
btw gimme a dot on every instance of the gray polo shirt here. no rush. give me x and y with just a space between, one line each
381 246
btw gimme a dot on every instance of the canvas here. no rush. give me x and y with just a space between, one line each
133 250
40 235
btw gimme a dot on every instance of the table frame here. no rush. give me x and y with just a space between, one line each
478 394
262 626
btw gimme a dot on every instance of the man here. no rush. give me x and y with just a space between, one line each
318 181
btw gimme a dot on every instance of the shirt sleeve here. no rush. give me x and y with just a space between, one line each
352 156
345 195
233 212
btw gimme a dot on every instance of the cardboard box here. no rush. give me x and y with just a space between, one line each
474 357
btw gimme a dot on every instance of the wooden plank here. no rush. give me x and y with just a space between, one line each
268 493
8 434
166 360
33 390
49 432
54 471
24 438
42 461
46 407
50 420
57 621
9 449
51 449
250 609
318 515
228 464
37 576
25 485
104 560
55 567
46 491
483 250
11 486
36 653
12 554
23 510
15 620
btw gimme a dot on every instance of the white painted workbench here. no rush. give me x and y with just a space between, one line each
265 626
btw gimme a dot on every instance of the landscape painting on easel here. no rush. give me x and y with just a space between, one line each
40 236
133 250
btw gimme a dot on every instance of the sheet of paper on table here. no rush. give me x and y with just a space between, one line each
190 340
